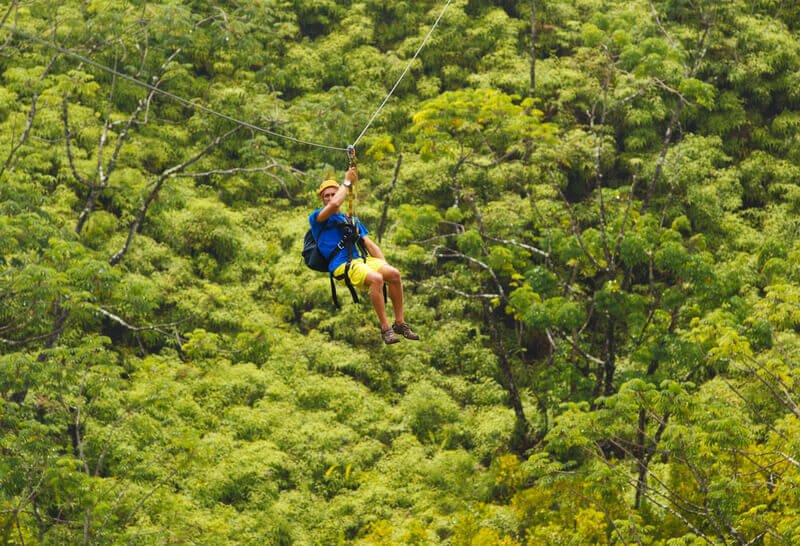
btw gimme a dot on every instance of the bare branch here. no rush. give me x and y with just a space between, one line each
578 348
235 170
669 494
14 342
574 225
8 13
786 398
11 9
753 408
19 530
680 516
104 175
657 19
111 510
98 467
795 462
704 43
455 254
162 71
267 169
155 327
667 140
471 296
514 242
100 149
165 175
435 238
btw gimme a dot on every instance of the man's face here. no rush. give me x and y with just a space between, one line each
327 195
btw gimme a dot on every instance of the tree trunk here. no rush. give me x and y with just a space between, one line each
521 440
522 428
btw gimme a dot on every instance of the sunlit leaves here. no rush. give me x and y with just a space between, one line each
456 119
203 390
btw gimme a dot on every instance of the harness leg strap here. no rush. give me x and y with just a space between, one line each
349 283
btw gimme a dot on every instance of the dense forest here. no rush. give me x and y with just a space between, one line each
595 206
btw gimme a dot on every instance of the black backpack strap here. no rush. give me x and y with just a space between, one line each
349 283
362 248
333 293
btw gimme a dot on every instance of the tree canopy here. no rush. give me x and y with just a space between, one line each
595 206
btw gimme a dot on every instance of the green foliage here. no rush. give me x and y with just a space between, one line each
603 264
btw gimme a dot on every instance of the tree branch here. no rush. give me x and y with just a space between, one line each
575 226
68 142
151 328
467 295
689 72
25 133
455 254
104 176
136 224
236 170
385 212
514 242
578 349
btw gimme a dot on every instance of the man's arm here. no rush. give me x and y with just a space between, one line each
336 201
333 205
372 248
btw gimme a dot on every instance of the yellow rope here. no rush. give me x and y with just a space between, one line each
353 195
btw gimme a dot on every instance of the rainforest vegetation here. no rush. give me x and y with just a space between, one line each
595 206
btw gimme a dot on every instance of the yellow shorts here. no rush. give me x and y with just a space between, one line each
359 269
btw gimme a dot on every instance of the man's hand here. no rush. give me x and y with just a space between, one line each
352 175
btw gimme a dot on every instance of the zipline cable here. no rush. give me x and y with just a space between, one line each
208 110
351 149
408 66
174 97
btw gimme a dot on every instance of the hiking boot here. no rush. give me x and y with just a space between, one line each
405 331
389 336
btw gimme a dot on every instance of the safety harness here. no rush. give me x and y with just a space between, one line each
351 240
352 236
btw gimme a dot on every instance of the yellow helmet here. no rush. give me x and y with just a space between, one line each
327 184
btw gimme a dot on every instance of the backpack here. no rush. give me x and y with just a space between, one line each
312 256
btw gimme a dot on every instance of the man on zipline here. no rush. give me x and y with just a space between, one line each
370 270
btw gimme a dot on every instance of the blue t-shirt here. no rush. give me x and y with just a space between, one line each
327 239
